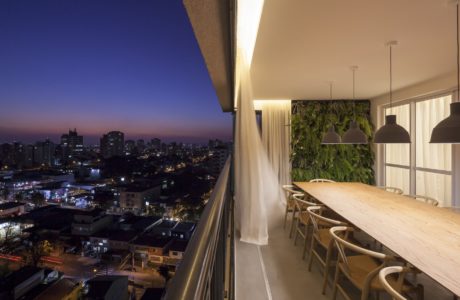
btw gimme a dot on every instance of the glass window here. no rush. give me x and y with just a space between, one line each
437 186
432 164
428 114
399 154
398 177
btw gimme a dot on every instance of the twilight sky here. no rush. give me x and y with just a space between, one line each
102 65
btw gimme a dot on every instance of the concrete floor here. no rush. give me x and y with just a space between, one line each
277 271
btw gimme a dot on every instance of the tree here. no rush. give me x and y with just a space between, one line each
157 210
9 234
163 270
37 249
38 199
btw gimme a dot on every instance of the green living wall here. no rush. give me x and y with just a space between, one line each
310 121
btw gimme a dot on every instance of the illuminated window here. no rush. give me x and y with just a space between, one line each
420 167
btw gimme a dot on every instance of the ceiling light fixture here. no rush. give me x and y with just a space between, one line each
391 132
331 137
354 135
448 130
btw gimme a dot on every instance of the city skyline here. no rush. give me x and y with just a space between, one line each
90 140
133 68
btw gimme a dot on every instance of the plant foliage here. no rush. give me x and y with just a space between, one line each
310 121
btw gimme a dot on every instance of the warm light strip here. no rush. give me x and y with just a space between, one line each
259 104
248 19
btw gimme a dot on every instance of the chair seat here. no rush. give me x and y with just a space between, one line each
360 266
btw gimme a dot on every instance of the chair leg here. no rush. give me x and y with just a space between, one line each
296 235
365 293
326 268
291 229
336 282
285 217
310 255
421 292
305 243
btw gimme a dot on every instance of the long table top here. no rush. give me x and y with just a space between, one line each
426 236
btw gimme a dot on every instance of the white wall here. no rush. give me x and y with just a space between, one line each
423 89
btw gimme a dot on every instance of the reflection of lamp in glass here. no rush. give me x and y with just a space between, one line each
448 130
391 132
331 137
354 135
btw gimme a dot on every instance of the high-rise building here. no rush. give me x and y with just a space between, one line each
71 143
220 155
112 144
29 156
7 154
130 147
156 144
44 153
19 154
140 144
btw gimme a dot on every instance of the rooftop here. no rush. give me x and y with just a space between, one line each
94 212
166 224
117 235
185 226
178 245
99 285
152 241
19 276
9 205
140 222
58 290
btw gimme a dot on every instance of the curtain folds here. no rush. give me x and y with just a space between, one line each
258 196
276 136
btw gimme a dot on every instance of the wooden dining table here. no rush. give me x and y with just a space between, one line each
426 236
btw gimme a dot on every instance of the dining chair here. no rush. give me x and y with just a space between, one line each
392 290
303 220
322 180
362 268
425 199
289 190
322 240
391 189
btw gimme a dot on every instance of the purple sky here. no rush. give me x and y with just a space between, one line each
102 65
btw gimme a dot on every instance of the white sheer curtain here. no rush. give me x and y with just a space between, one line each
399 154
258 198
276 135
433 156
433 162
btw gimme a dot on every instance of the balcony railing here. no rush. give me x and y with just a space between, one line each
206 271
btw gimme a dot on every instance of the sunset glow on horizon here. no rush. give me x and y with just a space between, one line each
99 66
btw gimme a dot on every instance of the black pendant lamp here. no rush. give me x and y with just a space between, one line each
448 130
354 135
391 132
331 137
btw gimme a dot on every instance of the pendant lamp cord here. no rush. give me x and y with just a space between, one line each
391 82
330 90
354 110
458 61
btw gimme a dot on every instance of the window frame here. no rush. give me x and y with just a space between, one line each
412 167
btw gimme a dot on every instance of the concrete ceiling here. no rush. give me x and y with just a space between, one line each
302 44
